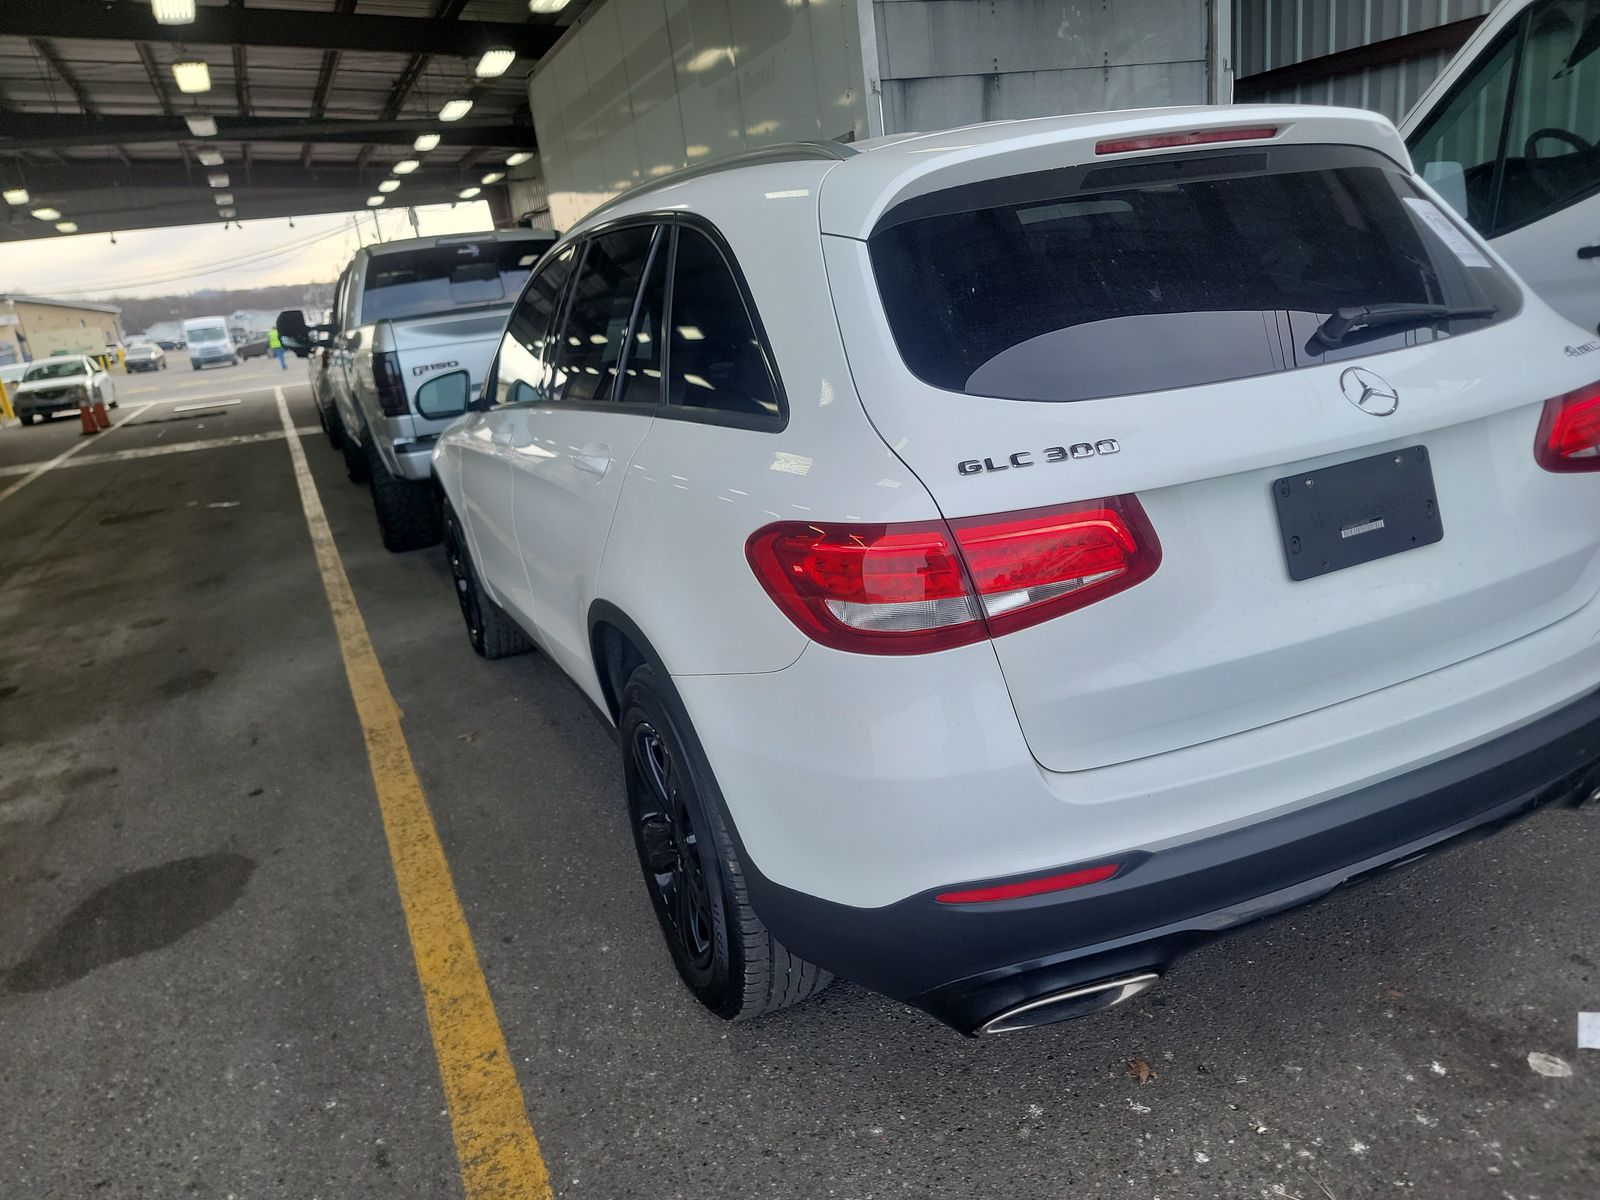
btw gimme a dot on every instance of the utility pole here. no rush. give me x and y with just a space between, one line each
356 221
416 228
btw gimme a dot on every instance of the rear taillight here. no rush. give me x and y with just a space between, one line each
933 585
391 384
1569 432
1195 137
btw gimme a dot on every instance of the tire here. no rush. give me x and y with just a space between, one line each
727 958
28 418
492 633
193 366
355 461
408 515
331 427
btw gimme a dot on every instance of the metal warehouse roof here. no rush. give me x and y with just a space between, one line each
313 100
18 298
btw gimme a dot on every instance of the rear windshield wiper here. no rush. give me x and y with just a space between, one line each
1346 321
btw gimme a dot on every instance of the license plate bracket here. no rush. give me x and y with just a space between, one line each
1357 512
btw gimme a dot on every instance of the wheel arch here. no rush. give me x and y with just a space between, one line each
617 645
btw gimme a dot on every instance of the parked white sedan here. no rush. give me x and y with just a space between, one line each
59 384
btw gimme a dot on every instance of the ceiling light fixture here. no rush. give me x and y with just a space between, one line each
374 201
209 158
66 227
223 197
546 6
192 77
454 110
425 142
202 126
493 177
47 214
173 12
217 179
16 196
468 193
517 159
405 166
389 185
494 63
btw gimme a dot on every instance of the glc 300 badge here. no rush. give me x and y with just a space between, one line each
1051 454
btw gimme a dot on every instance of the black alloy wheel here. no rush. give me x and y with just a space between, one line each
671 851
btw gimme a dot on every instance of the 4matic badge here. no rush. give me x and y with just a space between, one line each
1052 454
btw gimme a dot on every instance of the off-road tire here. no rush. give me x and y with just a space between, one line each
408 513
355 460
492 633
730 961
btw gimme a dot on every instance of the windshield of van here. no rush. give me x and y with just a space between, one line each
1164 273
414 283
207 333
57 369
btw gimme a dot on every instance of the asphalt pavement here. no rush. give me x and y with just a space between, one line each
207 985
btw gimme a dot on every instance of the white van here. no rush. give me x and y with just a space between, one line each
209 342
1508 135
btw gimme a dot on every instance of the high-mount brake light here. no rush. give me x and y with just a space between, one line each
921 586
1569 432
1195 137
1041 886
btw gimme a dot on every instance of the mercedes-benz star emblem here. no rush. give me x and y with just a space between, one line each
1369 392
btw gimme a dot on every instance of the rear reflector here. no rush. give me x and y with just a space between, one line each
1030 887
1569 432
1197 137
932 585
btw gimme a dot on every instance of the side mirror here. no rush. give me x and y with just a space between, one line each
292 331
444 396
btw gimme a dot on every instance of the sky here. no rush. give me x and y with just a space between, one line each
188 258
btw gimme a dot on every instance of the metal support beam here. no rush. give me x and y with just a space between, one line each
105 175
45 49
1446 38
44 131
157 84
241 80
132 21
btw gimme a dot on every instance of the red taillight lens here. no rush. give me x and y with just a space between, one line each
1197 137
912 588
1569 432
1030 887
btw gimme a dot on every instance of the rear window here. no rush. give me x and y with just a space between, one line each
1108 280
414 283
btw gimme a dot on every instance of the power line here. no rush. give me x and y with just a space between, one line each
195 272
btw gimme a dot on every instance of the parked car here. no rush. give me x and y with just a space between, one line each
254 346
145 356
1015 555
1509 134
60 384
322 393
208 342
404 312
169 344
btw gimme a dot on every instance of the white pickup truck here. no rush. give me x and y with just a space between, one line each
403 313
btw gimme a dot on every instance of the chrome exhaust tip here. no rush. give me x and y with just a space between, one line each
1074 1002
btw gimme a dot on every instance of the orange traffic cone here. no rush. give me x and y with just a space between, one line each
89 423
101 417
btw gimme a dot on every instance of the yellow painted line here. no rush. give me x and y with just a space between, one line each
80 444
495 1143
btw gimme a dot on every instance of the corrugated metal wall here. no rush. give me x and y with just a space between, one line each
1276 33
953 62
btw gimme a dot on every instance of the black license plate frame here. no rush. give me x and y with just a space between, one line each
1357 512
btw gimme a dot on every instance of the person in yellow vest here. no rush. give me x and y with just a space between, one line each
275 344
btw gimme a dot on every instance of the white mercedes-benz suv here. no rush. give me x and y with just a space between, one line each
1016 554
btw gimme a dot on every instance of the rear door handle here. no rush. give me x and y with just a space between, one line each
1589 251
593 459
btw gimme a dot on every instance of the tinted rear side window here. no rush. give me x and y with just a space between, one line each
1110 280
715 360
414 283
598 314
522 368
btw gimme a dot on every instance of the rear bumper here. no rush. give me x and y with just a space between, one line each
966 964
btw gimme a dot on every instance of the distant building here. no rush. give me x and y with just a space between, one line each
36 327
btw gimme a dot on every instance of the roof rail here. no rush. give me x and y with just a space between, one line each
779 153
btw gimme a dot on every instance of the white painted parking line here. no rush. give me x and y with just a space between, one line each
40 468
1589 1031
204 404
238 439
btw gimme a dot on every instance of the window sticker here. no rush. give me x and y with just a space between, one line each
1448 233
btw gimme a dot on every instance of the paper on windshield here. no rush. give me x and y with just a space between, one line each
1448 232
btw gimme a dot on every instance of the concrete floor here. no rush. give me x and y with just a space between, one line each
206 986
